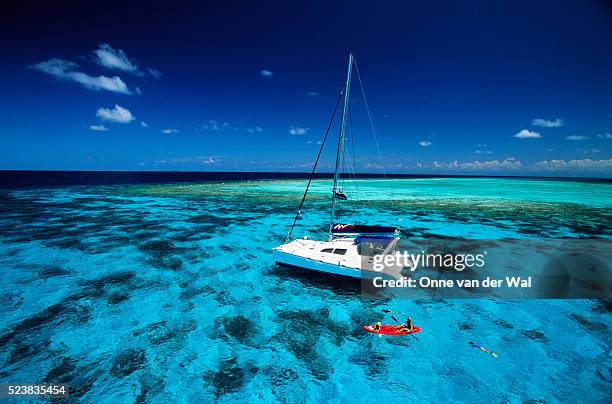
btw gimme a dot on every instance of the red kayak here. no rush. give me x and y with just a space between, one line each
390 330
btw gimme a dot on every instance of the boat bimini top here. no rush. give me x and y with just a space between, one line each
358 229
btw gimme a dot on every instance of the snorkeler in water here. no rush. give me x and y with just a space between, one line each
483 349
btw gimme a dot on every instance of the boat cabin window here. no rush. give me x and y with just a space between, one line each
340 251
372 247
327 250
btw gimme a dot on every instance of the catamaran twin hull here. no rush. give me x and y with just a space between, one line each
352 257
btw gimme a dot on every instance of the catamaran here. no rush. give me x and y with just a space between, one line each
350 248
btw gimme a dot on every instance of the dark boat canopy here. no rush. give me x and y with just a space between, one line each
362 229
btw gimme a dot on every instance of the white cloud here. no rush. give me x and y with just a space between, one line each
216 126
112 58
605 136
190 160
295 130
546 123
311 93
98 128
425 143
266 73
391 166
482 149
55 67
66 70
117 114
527 134
577 137
376 166
144 124
169 131
257 129
584 164
154 72
510 164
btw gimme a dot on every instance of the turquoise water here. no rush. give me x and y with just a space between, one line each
150 293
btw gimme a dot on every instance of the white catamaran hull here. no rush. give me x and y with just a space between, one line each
323 256
295 261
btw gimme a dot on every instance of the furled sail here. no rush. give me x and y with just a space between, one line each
340 195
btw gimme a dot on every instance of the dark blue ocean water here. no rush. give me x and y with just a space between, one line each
168 292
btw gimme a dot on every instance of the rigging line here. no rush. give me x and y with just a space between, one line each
370 117
331 121
347 166
347 161
358 203
365 202
372 126
311 223
352 172
353 147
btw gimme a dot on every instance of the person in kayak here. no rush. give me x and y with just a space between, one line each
377 326
407 326
483 349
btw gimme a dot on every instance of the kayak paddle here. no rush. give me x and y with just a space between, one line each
415 337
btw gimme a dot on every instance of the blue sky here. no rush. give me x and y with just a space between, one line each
454 87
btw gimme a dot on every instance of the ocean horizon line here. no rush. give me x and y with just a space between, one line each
36 178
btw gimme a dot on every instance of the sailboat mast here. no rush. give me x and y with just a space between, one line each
340 153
